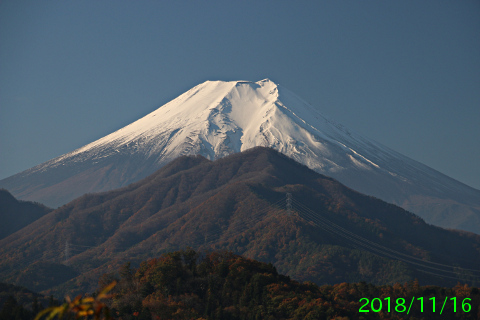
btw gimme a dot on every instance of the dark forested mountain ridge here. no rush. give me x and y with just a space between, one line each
15 214
218 118
258 203
221 285
19 303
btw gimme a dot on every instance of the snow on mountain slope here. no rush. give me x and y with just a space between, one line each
217 118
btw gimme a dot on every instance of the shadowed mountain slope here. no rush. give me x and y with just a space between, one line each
15 214
325 232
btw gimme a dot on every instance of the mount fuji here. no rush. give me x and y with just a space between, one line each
217 118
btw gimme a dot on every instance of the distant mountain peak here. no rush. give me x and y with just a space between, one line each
218 118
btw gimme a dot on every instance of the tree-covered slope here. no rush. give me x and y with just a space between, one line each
325 232
222 285
15 214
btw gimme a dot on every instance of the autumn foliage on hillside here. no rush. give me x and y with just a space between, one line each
331 234
221 285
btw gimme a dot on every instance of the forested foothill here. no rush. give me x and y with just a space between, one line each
221 285
16 214
187 284
19 303
328 234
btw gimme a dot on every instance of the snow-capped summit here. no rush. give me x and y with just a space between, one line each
217 118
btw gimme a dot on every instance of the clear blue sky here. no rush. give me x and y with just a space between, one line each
404 73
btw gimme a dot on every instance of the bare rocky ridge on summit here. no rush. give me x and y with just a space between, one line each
217 118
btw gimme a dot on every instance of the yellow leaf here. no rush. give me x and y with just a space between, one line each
105 290
88 300
44 312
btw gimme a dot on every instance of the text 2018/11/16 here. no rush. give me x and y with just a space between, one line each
377 305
